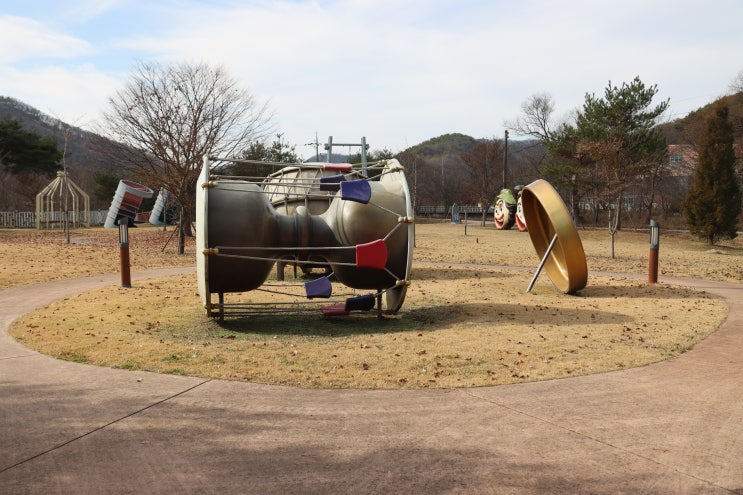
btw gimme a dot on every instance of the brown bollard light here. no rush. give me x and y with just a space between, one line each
654 245
126 279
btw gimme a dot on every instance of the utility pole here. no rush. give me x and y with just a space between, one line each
316 144
505 158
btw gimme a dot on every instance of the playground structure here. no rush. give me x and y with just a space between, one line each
358 227
58 200
126 202
160 215
508 210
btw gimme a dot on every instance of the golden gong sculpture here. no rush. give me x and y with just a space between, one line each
554 237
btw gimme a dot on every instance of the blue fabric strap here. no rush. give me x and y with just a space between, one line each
331 182
320 287
360 303
356 190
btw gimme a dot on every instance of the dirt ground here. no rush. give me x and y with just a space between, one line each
466 321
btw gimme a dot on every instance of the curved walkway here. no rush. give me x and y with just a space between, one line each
673 427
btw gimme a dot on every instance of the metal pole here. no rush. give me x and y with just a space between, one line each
363 155
541 263
329 147
505 158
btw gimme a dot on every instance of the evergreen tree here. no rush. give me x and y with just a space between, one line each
105 185
619 134
713 201
279 151
23 152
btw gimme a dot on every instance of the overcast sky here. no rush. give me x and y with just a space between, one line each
397 72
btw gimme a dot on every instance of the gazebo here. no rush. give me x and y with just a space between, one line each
58 199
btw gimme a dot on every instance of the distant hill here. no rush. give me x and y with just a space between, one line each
83 159
335 158
688 129
523 155
446 144
81 155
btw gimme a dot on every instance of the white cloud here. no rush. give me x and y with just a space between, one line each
75 95
24 39
86 10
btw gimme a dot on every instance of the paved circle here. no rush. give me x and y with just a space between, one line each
672 427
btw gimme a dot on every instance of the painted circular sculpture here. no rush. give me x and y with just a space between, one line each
504 214
520 220
547 216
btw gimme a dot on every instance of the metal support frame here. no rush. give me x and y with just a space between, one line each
541 263
364 147
57 196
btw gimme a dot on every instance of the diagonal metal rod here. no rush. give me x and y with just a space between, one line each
541 263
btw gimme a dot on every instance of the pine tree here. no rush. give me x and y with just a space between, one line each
24 152
713 202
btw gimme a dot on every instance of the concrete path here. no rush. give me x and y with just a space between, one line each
670 428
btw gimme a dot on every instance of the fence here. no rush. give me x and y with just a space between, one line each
443 211
27 219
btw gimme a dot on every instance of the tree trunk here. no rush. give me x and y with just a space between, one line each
651 200
181 233
614 221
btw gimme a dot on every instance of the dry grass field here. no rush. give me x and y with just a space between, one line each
466 321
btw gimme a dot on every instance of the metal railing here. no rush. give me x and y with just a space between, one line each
27 219
443 211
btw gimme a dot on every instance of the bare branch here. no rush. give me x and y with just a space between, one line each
167 118
536 117
736 85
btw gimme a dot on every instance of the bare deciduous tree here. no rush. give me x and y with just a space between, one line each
167 118
536 117
736 86
485 167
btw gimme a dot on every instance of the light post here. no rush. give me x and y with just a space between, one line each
654 245
126 279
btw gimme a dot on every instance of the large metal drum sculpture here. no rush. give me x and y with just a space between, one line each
159 215
126 202
554 236
305 185
361 227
